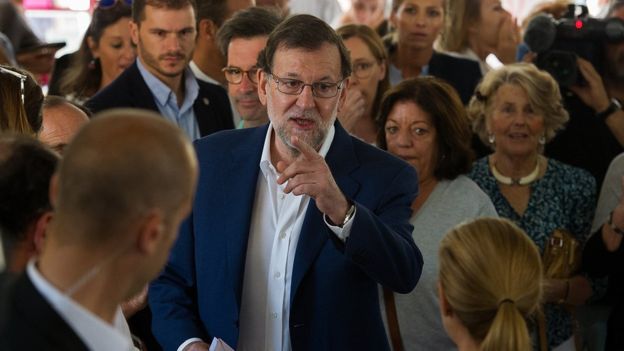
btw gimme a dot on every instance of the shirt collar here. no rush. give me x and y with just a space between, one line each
265 160
97 334
201 75
161 91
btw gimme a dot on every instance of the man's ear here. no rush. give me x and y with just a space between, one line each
53 190
39 230
134 32
263 80
208 29
343 93
151 230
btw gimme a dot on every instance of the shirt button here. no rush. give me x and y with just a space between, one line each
282 235
282 196
278 275
274 315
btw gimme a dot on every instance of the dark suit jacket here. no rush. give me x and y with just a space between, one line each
32 323
462 74
212 106
334 299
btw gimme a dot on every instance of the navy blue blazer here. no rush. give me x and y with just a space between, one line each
212 106
463 74
334 289
32 323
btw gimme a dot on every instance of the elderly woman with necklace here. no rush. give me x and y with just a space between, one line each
516 110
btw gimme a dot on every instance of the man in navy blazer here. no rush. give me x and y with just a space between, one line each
160 79
295 224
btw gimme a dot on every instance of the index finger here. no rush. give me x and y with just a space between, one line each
306 150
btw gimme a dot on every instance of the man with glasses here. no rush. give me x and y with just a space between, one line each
294 224
241 39
160 79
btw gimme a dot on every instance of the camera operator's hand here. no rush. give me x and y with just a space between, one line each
508 41
594 93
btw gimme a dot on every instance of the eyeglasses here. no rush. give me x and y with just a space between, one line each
106 4
234 75
21 77
363 69
295 87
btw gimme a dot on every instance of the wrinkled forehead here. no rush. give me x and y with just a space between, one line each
322 63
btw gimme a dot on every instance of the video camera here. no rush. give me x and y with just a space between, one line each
558 43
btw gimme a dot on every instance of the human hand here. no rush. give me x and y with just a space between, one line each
508 41
135 304
593 94
611 239
309 174
573 291
352 110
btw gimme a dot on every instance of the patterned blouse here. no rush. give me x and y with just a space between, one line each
565 197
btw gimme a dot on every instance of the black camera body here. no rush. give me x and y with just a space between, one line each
558 43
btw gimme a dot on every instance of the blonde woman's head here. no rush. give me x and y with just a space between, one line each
490 283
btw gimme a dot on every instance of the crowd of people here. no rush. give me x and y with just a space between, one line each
217 172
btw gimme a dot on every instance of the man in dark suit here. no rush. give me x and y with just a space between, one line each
118 206
295 224
160 79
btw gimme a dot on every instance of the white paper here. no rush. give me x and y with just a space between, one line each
219 345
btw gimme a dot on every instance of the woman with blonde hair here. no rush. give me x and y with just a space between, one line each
475 29
516 110
489 284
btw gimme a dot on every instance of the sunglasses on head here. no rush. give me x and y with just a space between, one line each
17 75
105 4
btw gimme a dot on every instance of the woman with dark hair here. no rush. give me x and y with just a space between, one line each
424 123
368 82
105 52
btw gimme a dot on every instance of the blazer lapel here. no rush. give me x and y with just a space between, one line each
238 198
342 161
141 94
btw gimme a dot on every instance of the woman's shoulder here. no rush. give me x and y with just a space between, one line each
463 190
565 172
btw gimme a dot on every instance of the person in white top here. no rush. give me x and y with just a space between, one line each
117 208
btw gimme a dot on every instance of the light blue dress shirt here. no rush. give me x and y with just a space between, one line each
183 116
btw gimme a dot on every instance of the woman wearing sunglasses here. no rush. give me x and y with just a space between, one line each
106 51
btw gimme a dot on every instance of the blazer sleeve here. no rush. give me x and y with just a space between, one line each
172 296
381 240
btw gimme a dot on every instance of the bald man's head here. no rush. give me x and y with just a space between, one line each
61 121
121 166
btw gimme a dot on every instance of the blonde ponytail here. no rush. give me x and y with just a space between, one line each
491 274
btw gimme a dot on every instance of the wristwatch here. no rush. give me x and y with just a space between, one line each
614 105
349 215
613 226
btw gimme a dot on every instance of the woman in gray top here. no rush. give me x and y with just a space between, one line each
423 122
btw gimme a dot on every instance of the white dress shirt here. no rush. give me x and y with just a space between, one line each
95 333
276 222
